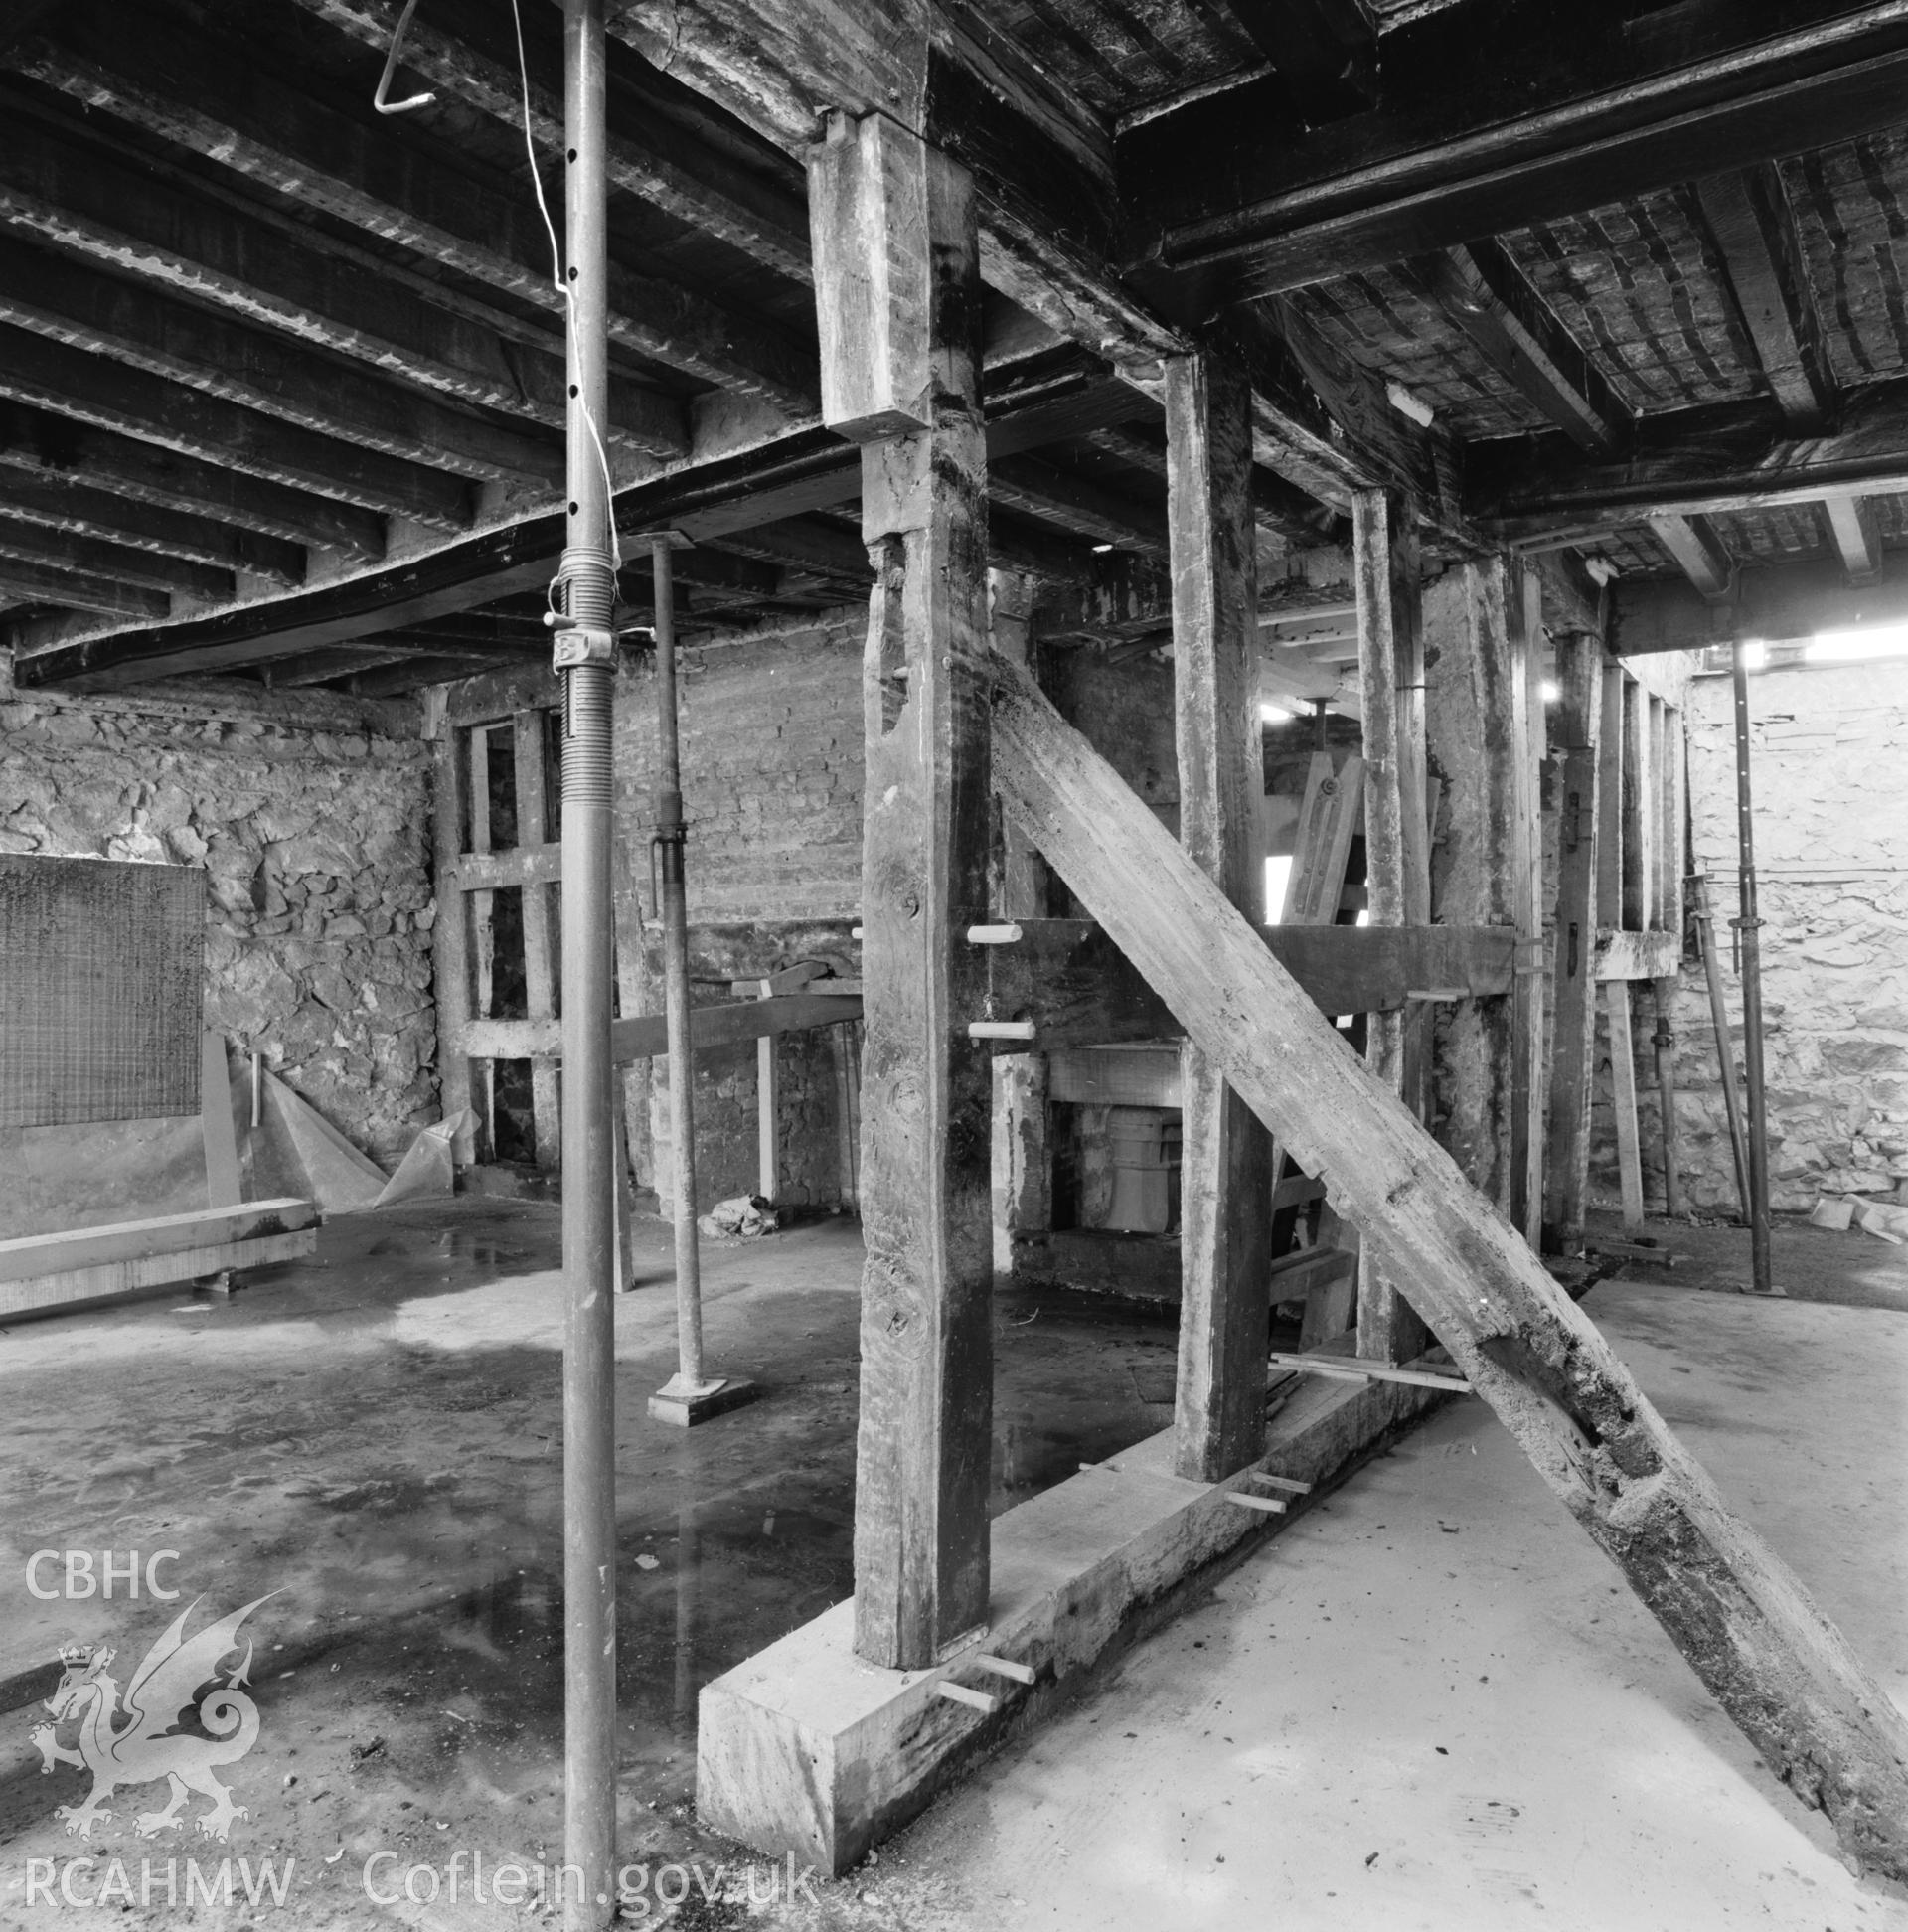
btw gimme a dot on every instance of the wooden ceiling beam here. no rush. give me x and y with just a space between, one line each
1753 228
1327 51
1855 531
73 590
1690 462
52 295
652 155
49 374
399 679
1049 213
1779 603
1042 168
806 544
187 89
1484 292
795 473
787 477
1276 504
1701 553
41 445
1077 503
81 510
321 667
96 206
1489 124
33 543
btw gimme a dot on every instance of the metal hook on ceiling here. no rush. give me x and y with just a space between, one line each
377 100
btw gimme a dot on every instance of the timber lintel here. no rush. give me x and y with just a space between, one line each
1077 989
644 1036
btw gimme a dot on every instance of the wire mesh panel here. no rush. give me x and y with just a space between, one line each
100 989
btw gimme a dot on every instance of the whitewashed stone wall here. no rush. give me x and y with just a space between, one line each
311 816
1830 768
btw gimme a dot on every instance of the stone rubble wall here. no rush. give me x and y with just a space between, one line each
311 816
1830 774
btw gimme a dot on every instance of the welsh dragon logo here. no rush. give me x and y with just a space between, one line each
134 1739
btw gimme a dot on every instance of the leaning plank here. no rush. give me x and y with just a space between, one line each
1747 1627
223 1188
1623 1099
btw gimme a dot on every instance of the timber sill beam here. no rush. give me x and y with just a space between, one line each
1779 1669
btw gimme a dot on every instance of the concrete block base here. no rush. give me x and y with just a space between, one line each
684 1411
807 1749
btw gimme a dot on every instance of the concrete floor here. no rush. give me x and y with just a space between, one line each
375 1434
1428 1704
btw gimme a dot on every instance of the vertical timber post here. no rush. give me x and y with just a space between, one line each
1475 735
1225 1173
1749 924
898 296
1387 567
1524 611
585 654
1023 1161
1575 723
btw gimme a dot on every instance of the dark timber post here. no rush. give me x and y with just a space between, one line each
1022 1164
897 294
585 652
1575 721
1523 612
1749 924
1386 569
1225 1175
1474 738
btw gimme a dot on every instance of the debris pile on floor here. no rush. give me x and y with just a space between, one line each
741 1218
1883 1219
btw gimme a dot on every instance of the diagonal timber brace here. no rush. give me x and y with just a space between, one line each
1747 1627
